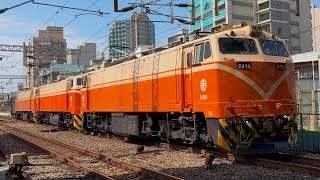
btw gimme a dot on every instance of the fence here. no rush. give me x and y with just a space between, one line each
309 121
309 110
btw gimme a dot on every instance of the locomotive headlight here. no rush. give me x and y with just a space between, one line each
249 124
288 118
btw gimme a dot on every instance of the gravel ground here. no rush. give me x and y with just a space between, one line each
312 155
43 166
181 164
5 114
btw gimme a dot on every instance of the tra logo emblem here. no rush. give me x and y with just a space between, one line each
203 85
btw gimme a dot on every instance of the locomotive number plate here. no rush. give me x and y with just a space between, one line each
281 66
244 66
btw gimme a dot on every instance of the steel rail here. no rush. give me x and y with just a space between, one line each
107 159
61 157
307 164
306 160
279 164
299 159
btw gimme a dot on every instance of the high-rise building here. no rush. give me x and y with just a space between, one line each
49 48
126 35
83 55
315 13
119 39
275 16
142 30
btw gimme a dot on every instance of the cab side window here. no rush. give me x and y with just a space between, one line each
71 83
79 82
199 52
203 51
207 50
189 59
85 81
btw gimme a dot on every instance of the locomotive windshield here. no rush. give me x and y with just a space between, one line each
237 46
273 48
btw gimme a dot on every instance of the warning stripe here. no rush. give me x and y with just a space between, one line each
35 118
224 134
255 126
76 125
78 118
77 122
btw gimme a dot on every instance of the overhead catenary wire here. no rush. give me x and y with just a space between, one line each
80 14
73 8
15 6
46 22
42 27
107 25
69 22
93 3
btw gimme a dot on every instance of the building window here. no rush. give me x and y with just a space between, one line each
266 27
207 6
197 9
278 4
221 8
264 16
264 5
207 15
279 31
279 14
207 28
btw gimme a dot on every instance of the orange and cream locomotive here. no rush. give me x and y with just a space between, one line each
233 89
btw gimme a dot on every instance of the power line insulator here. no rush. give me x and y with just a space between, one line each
147 10
183 21
182 5
3 10
126 9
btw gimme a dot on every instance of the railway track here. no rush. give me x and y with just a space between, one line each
93 163
301 164
295 163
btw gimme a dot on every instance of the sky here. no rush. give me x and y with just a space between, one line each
22 23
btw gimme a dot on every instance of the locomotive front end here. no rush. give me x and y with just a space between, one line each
254 93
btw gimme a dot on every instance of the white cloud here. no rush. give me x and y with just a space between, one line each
17 26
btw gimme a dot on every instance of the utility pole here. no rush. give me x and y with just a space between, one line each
1 86
216 7
142 6
171 11
78 58
193 13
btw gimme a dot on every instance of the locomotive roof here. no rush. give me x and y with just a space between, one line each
224 30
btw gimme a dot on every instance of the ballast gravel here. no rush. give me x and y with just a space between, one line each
177 163
43 167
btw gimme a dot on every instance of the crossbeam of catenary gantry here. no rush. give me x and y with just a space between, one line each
13 77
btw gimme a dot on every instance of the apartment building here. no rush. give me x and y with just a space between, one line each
126 35
276 16
49 48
